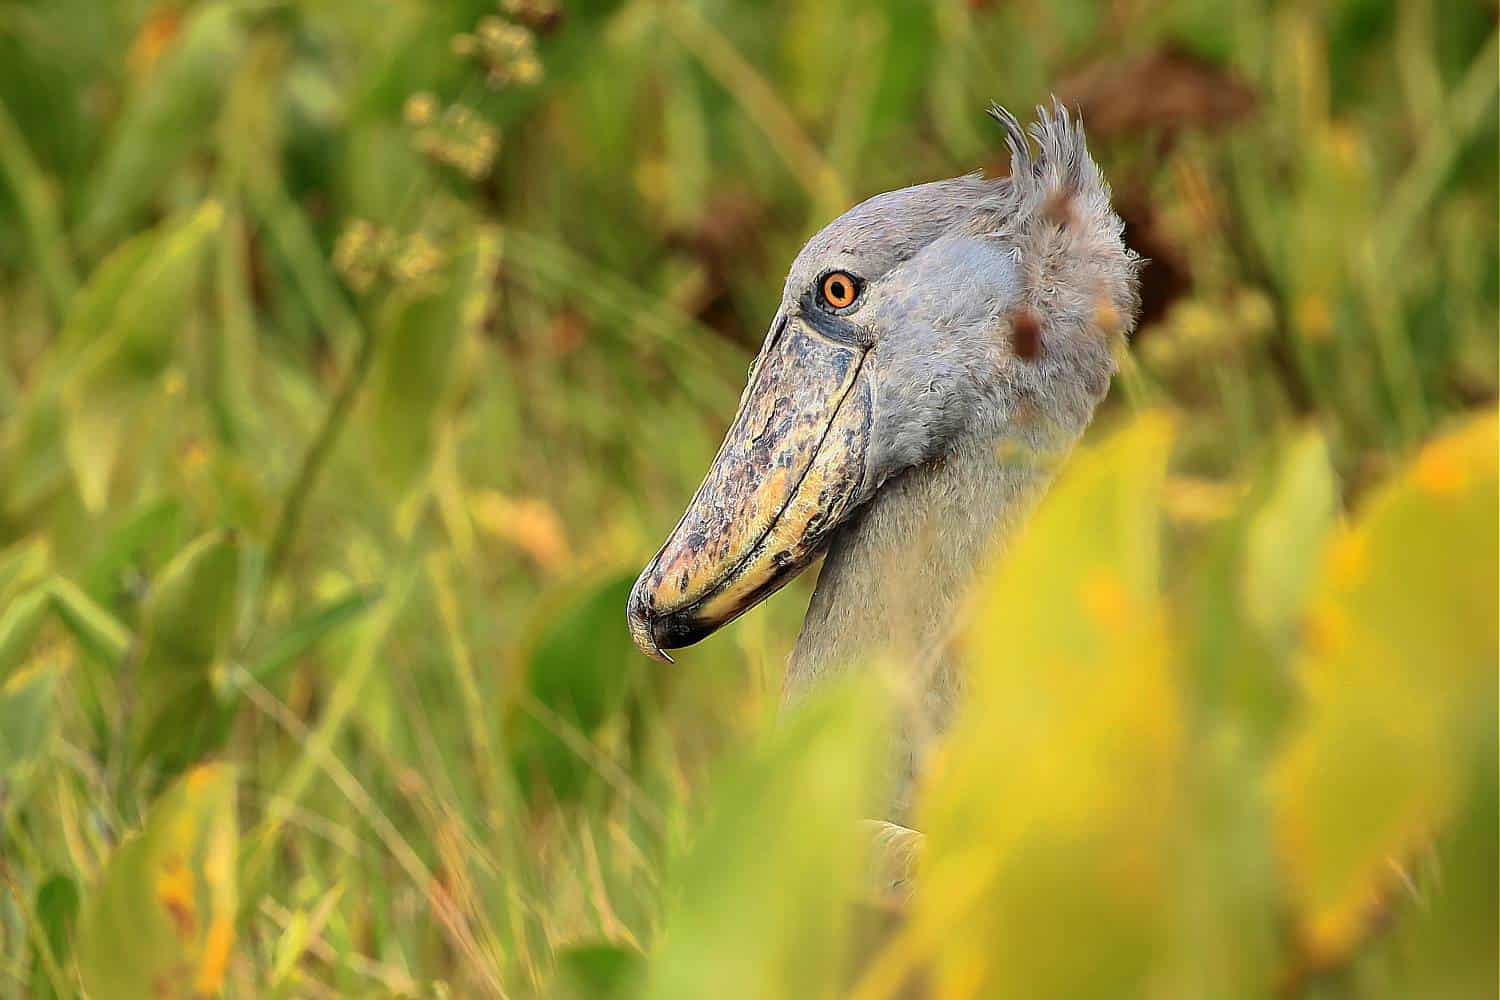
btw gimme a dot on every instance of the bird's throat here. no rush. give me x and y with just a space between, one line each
895 578
895 581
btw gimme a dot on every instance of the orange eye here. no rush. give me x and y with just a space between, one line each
839 290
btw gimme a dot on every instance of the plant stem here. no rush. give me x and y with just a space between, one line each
318 452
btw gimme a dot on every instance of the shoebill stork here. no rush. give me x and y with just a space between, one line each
936 350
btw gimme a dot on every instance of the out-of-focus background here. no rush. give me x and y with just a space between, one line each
355 355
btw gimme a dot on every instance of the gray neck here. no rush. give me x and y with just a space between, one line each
894 578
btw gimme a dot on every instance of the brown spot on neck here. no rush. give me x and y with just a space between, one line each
1025 334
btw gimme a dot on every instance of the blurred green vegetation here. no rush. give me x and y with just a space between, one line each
354 356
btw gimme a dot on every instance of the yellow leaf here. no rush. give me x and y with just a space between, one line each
1398 666
1051 834
160 923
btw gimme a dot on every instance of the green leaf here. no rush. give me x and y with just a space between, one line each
22 565
31 448
421 333
38 202
305 633
762 900
94 307
160 922
598 972
35 457
133 549
187 623
57 906
105 396
26 722
19 624
57 913
188 615
170 116
300 931
582 669
578 664
1286 535
101 634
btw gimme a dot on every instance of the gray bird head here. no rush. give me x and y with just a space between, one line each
914 320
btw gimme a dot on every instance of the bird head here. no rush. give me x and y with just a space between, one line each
916 319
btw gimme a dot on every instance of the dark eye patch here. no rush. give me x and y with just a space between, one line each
836 326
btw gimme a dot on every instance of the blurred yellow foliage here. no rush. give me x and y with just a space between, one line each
529 524
161 921
1076 843
1399 678
1054 815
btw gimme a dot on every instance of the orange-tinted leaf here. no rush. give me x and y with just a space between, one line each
160 922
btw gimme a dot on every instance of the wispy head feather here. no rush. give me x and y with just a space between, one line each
1055 207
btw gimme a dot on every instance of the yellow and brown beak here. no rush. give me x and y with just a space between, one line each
789 471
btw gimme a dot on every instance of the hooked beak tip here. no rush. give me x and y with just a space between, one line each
638 614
